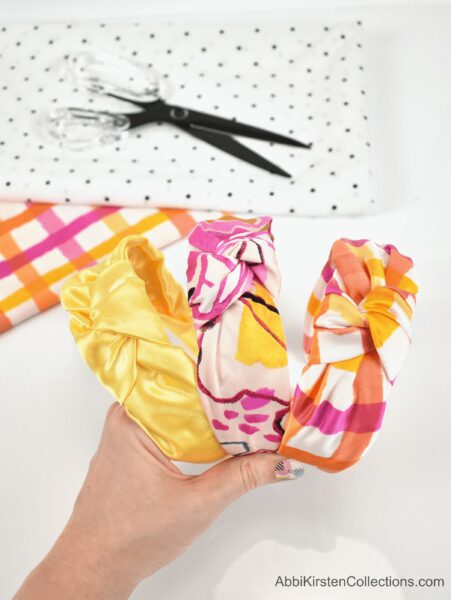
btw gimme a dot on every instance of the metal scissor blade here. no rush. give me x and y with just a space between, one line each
232 127
235 148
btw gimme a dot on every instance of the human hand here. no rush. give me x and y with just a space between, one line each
136 512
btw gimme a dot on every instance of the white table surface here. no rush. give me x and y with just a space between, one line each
389 515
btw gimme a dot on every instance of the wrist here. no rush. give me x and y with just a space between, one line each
80 565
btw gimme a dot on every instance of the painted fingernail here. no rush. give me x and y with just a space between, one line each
289 469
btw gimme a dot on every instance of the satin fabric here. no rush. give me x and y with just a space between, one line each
134 329
233 285
357 333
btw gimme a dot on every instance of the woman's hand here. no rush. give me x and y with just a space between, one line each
136 512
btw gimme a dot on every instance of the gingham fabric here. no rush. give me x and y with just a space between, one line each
233 286
42 244
357 333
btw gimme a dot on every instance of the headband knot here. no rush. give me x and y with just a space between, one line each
368 325
226 257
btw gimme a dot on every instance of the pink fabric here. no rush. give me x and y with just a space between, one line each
234 281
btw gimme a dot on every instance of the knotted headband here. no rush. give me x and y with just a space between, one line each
228 392
233 285
134 329
357 333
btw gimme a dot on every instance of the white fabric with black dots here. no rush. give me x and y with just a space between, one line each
298 79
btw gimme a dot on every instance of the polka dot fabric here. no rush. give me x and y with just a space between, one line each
299 79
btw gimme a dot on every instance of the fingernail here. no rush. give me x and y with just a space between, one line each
289 469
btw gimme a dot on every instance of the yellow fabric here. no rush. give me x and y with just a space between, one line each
133 327
255 344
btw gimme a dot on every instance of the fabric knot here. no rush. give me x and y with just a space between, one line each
226 257
360 302
381 321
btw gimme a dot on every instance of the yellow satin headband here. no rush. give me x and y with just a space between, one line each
227 392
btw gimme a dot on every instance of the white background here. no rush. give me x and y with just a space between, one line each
389 515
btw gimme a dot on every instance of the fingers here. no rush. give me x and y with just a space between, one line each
234 477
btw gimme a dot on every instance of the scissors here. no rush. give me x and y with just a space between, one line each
134 83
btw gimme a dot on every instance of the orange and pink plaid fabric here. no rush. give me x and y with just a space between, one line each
42 244
357 334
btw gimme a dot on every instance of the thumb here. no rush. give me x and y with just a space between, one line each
234 477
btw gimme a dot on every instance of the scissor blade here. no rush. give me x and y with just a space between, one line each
211 122
235 148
